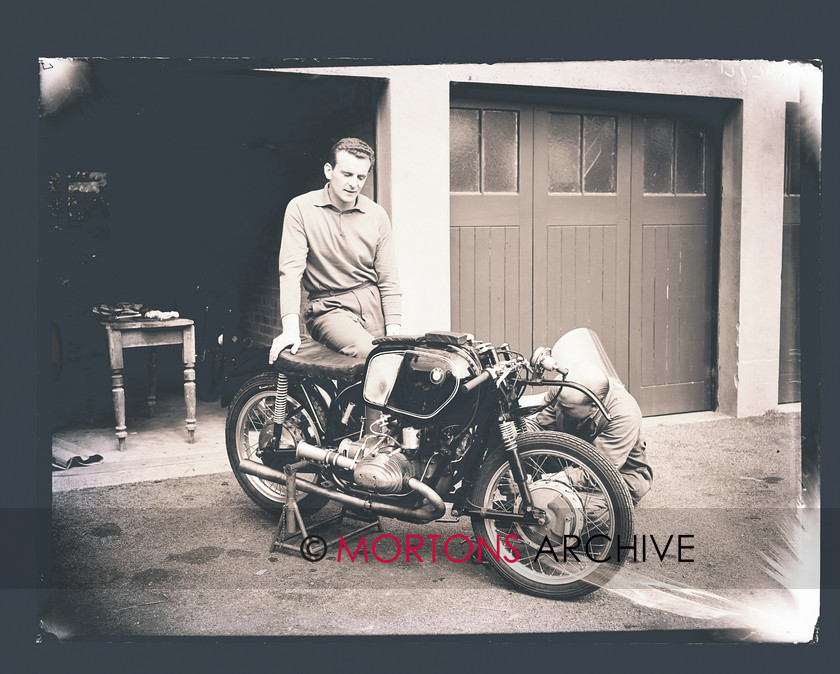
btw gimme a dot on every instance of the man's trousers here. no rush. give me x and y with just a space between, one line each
347 322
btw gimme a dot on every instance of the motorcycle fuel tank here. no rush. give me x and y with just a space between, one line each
416 382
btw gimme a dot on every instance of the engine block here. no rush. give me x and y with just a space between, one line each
386 472
379 463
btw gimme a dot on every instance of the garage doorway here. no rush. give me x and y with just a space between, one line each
566 217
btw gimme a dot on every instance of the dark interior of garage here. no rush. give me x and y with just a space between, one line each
163 182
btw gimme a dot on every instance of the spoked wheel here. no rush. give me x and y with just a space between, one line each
585 501
250 428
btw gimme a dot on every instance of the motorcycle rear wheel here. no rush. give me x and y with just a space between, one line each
250 417
595 506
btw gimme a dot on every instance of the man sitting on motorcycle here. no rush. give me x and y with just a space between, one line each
338 244
620 440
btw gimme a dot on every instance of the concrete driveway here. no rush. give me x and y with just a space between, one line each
169 556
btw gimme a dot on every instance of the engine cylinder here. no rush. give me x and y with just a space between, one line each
386 473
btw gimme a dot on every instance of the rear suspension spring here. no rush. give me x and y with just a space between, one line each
280 403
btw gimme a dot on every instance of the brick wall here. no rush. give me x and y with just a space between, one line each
261 305
258 284
261 319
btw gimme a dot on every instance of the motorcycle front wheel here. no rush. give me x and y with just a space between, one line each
588 510
248 427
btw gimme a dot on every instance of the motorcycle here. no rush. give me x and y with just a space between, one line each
428 420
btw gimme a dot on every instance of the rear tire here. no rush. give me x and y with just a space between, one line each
250 418
594 505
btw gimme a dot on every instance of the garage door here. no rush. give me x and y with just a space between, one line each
564 218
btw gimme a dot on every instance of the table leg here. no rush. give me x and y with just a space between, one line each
189 380
119 406
151 400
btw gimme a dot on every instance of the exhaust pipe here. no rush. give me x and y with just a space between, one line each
432 511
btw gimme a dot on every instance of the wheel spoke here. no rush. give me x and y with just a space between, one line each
251 424
583 493
263 413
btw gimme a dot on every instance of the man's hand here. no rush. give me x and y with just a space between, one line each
392 329
290 337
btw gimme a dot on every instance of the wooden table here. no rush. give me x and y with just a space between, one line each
150 332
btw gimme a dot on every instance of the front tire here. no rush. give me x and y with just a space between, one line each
249 424
582 495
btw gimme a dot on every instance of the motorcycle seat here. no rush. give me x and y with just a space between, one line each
437 338
313 359
401 340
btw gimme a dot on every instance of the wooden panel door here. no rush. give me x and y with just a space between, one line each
491 146
671 265
582 227
590 218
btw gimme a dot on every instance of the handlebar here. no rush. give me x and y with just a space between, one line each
497 372
560 383
478 381
540 361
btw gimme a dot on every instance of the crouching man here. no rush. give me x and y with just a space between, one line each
620 440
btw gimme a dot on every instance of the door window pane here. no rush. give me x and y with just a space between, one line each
690 158
499 140
563 153
599 154
659 156
463 150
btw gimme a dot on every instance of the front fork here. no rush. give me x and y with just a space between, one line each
508 430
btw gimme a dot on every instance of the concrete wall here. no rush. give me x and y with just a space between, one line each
729 265
413 132
754 293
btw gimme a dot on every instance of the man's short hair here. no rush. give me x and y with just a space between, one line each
356 147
